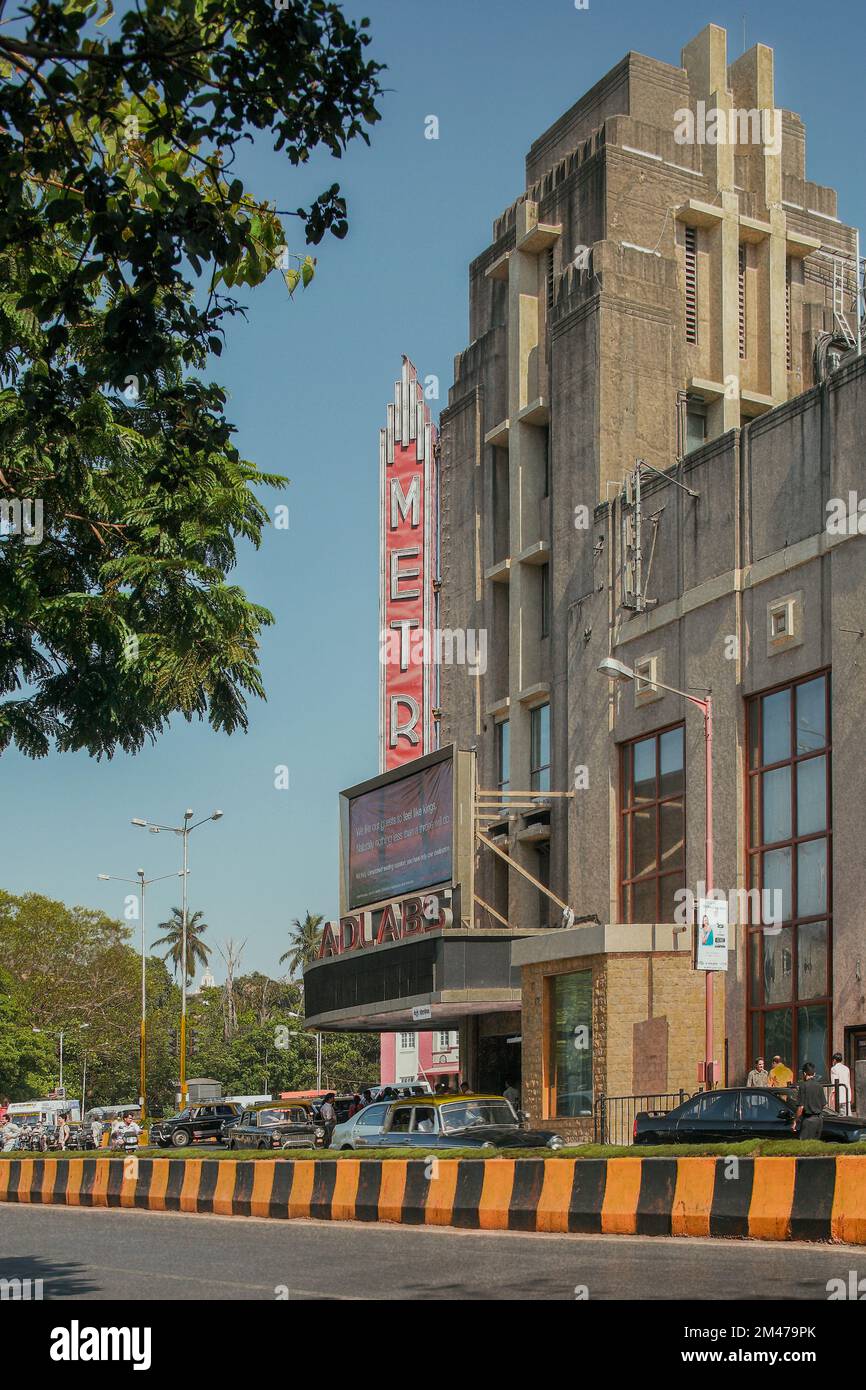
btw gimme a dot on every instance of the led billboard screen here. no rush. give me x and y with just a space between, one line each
399 834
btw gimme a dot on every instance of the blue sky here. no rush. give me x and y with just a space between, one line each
309 380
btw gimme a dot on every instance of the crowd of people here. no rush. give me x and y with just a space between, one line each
55 1132
812 1100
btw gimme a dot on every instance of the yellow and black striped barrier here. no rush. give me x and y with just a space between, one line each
763 1198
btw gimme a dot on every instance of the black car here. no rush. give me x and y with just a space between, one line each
275 1127
441 1122
197 1124
721 1117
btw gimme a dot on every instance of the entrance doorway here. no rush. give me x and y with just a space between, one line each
855 1051
498 1064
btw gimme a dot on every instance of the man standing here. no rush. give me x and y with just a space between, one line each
780 1074
841 1074
328 1116
758 1076
810 1105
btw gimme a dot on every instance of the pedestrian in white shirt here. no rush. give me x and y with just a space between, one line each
839 1072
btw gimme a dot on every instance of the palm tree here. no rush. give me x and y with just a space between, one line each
305 938
197 953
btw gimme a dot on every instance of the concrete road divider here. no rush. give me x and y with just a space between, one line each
762 1198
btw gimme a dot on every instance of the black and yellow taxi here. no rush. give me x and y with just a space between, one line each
292 1125
441 1122
200 1123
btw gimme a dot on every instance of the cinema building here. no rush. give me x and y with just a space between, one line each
653 452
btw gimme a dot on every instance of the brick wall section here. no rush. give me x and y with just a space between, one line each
624 998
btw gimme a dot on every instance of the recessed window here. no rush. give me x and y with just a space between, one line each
569 1044
790 857
503 755
652 826
696 424
545 600
539 748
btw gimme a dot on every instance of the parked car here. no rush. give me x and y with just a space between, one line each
440 1122
197 1124
275 1127
720 1117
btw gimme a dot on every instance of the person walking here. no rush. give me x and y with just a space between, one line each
328 1116
780 1073
758 1076
512 1095
840 1074
810 1106
61 1134
96 1132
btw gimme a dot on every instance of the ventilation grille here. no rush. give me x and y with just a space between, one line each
691 285
742 300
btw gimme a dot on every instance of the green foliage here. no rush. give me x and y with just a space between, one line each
305 938
123 229
64 966
197 953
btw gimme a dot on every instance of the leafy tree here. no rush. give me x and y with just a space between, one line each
124 229
197 953
305 939
26 1062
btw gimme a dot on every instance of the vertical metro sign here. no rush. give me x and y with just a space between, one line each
409 541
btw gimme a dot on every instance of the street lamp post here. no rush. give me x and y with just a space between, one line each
618 671
141 883
184 831
318 1039
59 1034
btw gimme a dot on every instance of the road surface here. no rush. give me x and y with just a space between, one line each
88 1254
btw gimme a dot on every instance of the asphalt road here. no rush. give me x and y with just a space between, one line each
85 1254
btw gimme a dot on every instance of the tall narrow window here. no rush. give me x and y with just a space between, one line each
545 600
788 313
503 776
741 292
653 826
539 748
789 838
569 1044
548 268
691 284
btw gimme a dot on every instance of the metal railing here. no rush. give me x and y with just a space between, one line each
613 1116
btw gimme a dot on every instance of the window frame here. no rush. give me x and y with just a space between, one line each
535 771
625 881
753 776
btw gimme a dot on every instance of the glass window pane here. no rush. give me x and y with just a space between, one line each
671 763
778 1036
754 811
776 805
777 880
778 966
754 743
777 726
811 715
644 754
755 954
573 1043
811 878
812 1038
669 886
673 836
811 796
644 831
757 1046
642 900
812 960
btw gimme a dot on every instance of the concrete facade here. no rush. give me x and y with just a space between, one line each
627 244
